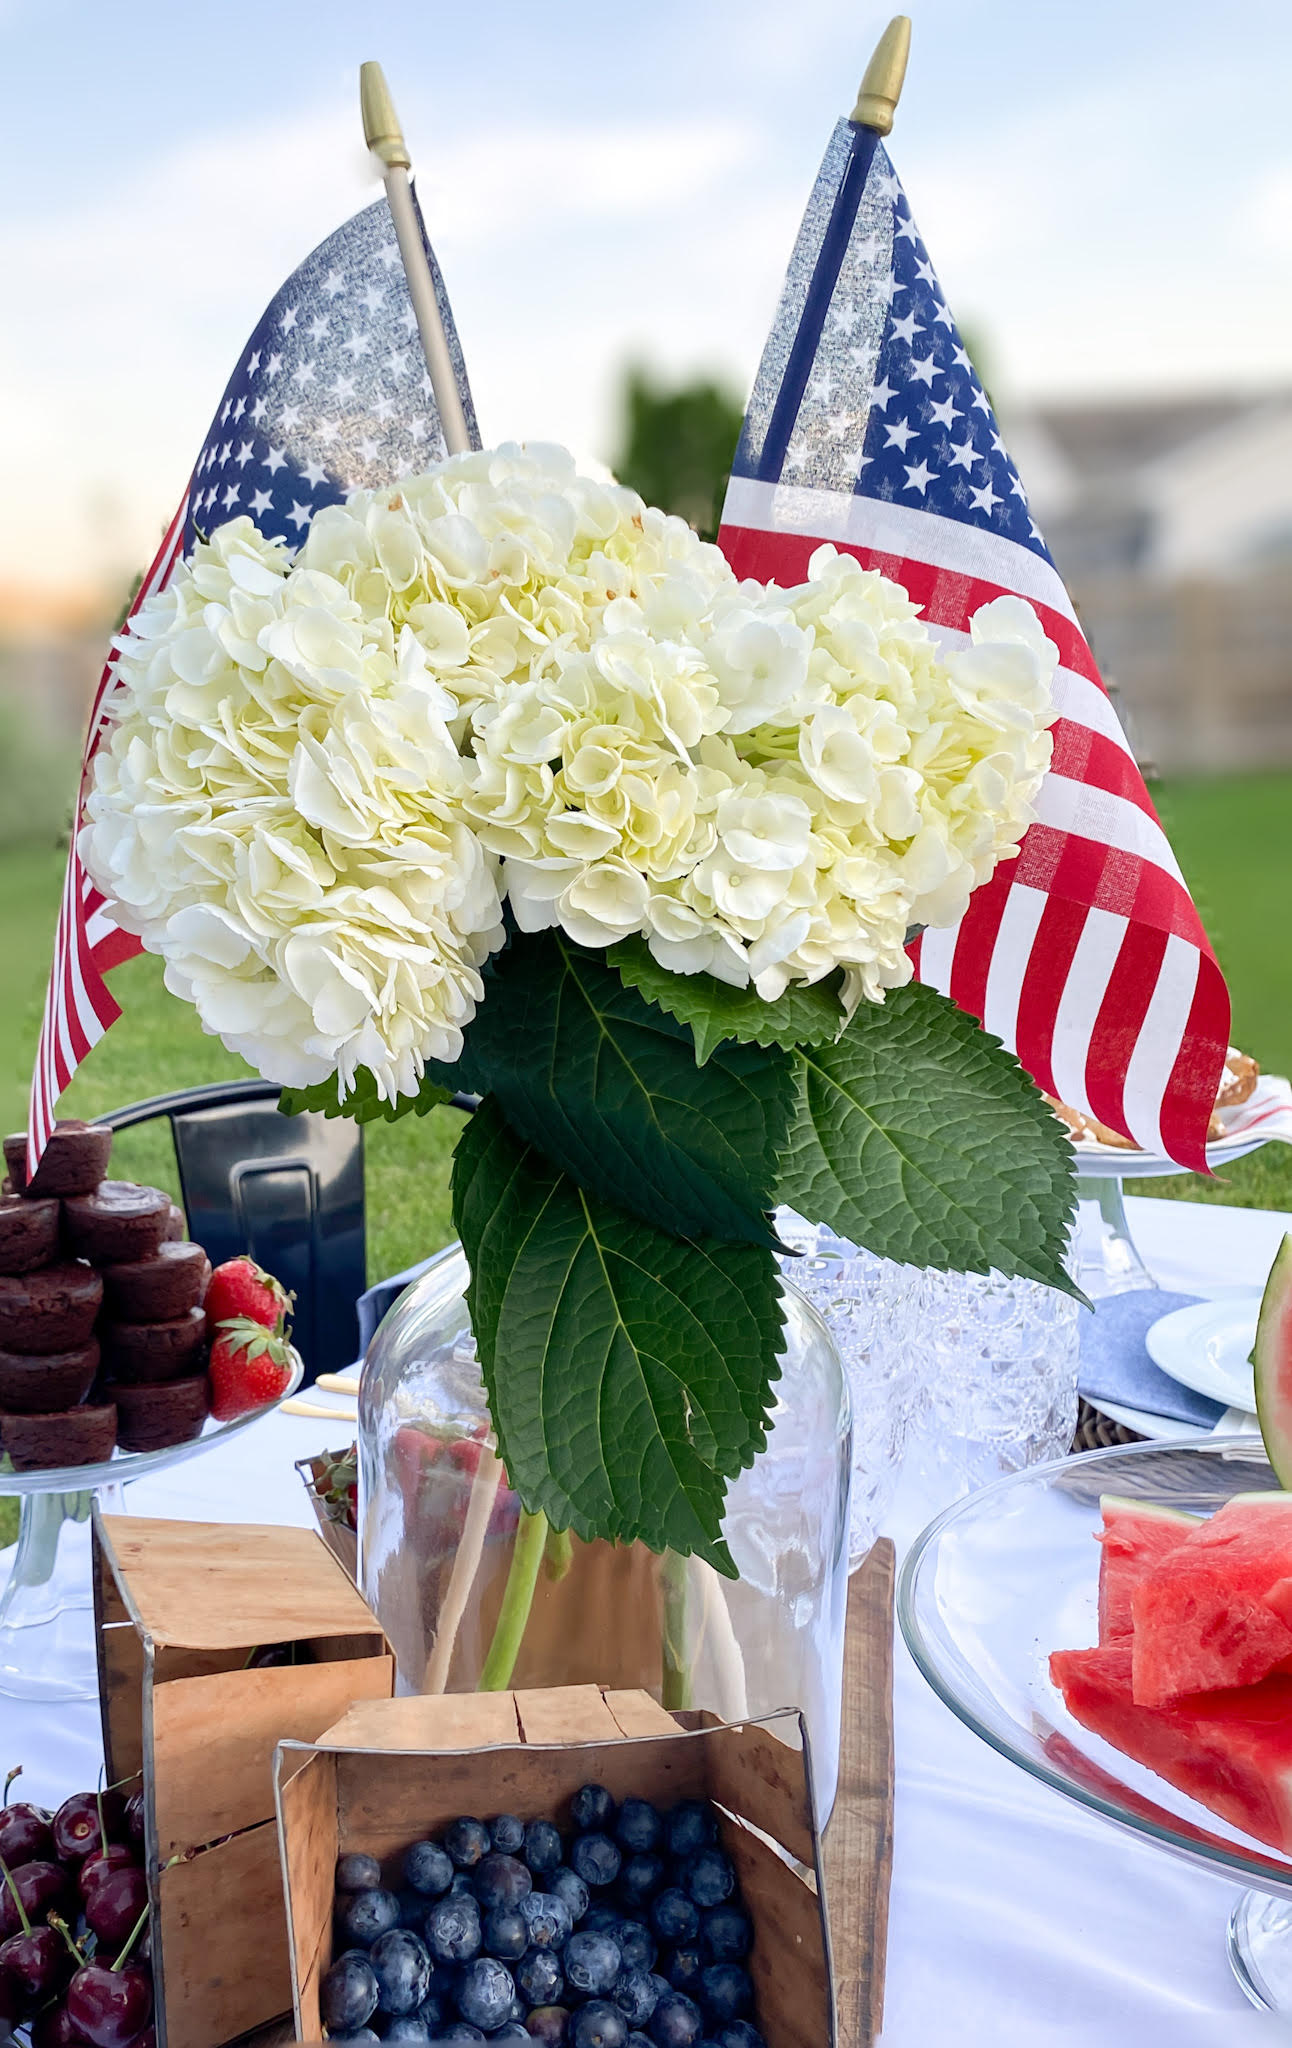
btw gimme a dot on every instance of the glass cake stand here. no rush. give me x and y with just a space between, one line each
1011 1573
47 1652
1108 1260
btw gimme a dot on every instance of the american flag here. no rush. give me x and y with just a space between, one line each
869 428
330 394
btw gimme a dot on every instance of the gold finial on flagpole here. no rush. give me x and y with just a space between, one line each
881 88
381 129
385 138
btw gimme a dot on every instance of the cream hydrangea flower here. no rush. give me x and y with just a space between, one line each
500 678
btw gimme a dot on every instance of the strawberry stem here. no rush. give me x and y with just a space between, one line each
22 1910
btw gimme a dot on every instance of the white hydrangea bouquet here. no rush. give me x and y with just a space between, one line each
505 783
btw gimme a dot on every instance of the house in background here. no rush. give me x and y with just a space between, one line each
1171 520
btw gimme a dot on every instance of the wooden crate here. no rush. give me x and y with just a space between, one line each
393 1771
180 1607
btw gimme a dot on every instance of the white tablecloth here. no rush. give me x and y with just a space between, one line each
1017 1919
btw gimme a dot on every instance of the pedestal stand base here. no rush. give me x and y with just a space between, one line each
1260 1950
47 1648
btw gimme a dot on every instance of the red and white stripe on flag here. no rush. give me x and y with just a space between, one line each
79 1006
1085 955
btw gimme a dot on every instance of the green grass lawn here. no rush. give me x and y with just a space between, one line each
1233 838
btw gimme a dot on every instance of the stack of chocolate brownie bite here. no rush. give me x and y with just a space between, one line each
102 1334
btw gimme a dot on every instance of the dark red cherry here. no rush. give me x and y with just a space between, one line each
77 1829
8 2001
114 1904
41 1887
117 1856
52 2028
111 2007
35 1964
135 1818
25 1835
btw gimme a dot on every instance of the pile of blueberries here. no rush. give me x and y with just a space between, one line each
628 1933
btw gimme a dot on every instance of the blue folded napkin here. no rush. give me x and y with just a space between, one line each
1114 1365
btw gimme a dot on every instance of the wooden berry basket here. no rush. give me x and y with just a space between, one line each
180 1609
393 1771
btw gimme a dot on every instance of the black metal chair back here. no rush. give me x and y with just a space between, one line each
286 1189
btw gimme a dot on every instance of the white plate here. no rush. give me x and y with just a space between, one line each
1160 1429
1207 1346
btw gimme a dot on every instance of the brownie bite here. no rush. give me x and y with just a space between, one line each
76 1436
147 1352
52 1309
39 1386
28 1233
176 1223
151 1417
167 1284
118 1223
73 1163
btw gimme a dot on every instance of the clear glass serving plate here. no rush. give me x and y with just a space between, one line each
1011 1573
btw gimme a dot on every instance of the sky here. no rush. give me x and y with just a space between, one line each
1104 186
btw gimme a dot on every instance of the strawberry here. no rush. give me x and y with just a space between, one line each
250 1367
242 1288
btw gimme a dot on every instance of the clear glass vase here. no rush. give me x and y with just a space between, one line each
476 1597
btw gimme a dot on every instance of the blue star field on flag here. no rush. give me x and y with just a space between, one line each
331 392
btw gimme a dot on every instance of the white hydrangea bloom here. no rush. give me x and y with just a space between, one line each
500 678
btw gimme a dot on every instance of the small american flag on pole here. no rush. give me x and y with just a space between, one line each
868 428
330 394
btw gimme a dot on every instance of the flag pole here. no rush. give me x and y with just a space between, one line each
881 88
385 138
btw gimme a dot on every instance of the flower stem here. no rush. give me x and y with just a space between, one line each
677 1668
517 1599
558 1555
480 1504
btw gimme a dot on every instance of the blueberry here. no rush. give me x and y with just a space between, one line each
501 1881
640 2040
592 1807
596 1860
637 1946
485 1992
433 2012
690 1826
412 1911
726 1992
466 1840
637 1993
641 1877
539 1977
364 1917
740 2035
411 2028
356 1873
462 1886
726 1934
358 2039
461 2030
639 1826
599 2025
592 1963
565 1884
602 1919
710 1877
429 1869
453 1930
511 2031
402 1965
505 1934
542 1847
549 2024
674 1917
348 1994
675 2022
684 1971
507 1834
546 1918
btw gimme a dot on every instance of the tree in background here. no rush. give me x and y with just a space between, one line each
678 445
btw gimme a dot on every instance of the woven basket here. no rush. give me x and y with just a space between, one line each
1096 1432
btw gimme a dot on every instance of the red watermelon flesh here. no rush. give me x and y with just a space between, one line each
1201 1618
1231 1751
1135 1535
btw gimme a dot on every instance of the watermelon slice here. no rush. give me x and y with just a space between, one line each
1272 1362
1231 1751
1201 1617
1136 1533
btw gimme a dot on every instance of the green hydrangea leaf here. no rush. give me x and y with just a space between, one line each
716 1012
629 1372
921 1138
363 1105
608 1087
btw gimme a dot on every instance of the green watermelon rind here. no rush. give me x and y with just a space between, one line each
1156 1511
1274 1411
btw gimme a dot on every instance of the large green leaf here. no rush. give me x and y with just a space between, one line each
715 1011
921 1138
363 1105
628 1372
608 1087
